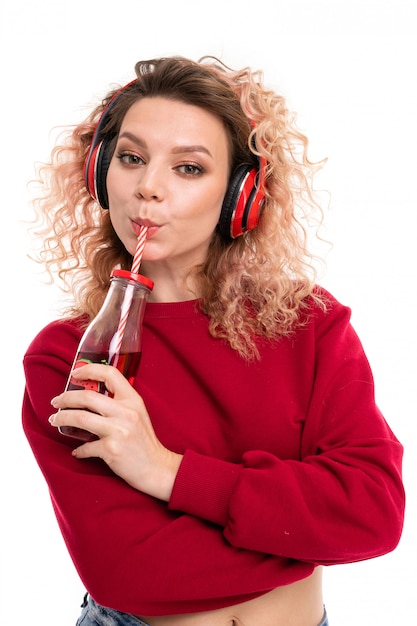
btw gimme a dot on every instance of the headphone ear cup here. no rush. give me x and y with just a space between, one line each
104 157
95 172
242 203
227 215
99 156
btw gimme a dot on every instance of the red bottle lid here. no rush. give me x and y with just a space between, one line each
138 278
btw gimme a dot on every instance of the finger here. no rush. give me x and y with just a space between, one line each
85 420
83 399
86 451
113 380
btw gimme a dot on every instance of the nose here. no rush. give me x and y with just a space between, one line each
149 184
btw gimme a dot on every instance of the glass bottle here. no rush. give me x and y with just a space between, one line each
113 337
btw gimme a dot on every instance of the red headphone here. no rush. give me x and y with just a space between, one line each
242 203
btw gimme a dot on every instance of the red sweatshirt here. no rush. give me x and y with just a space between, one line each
288 464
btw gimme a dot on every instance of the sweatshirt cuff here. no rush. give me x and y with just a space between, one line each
204 486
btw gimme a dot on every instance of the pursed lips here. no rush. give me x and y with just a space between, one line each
152 227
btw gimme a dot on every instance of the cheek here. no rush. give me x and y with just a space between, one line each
117 183
111 183
205 213
209 203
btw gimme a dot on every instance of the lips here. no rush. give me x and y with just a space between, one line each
152 227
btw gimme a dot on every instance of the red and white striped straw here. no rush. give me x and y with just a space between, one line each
137 259
127 301
123 320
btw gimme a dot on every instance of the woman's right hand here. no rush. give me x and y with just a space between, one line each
126 438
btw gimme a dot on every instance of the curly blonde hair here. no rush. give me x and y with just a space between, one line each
254 286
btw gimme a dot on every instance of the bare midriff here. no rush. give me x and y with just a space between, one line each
297 604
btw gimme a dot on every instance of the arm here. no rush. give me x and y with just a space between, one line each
342 500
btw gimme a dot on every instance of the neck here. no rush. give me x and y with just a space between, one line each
168 286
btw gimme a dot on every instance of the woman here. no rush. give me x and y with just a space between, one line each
249 452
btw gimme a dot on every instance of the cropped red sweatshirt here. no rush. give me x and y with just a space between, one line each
288 464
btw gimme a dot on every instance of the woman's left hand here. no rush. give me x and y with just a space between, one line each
127 441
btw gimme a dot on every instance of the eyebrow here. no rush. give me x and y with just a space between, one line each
197 148
176 150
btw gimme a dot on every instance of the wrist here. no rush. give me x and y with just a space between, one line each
166 476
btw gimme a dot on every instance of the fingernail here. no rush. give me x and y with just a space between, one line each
53 401
51 419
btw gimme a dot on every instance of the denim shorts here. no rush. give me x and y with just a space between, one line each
94 614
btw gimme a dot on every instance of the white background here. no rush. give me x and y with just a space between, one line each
348 68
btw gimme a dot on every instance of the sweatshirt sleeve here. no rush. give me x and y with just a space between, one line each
342 500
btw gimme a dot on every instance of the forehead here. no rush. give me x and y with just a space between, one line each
159 115
170 110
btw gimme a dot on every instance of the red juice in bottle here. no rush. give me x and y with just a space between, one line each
127 364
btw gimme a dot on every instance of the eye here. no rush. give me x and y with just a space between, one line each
190 169
129 158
